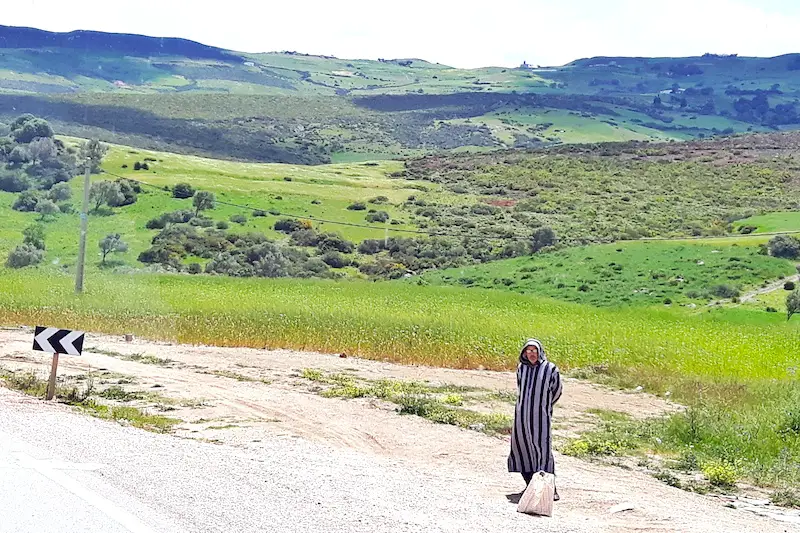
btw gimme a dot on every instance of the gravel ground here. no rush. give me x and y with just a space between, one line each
174 484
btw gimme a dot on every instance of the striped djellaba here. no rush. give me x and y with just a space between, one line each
531 439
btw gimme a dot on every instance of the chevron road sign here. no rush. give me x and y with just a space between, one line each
57 341
61 341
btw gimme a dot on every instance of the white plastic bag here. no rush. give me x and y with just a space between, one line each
538 497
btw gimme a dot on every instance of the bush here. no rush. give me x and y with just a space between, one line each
259 213
357 206
13 181
175 217
290 225
789 286
784 246
379 200
542 238
34 236
26 202
195 268
335 260
239 219
725 291
183 191
61 192
223 225
332 242
370 247
24 255
720 474
378 216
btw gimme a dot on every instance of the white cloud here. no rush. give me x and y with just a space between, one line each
459 33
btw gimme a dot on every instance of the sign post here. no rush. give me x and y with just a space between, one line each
57 341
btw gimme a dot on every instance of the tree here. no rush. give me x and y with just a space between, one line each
43 149
12 181
34 236
94 151
203 200
47 209
793 304
106 192
784 246
61 192
34 128
183 190
542 238
110 244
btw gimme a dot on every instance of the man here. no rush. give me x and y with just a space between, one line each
539 384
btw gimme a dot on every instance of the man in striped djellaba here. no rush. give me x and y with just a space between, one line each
539 384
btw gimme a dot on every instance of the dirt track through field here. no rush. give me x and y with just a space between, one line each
237 396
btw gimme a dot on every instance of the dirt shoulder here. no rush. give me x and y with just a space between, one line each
239 396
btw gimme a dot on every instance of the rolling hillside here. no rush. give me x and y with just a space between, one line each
294 108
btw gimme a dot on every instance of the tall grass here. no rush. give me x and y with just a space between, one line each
441 326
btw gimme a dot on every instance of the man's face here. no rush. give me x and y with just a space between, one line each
532 353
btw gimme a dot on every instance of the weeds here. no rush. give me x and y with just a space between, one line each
235 375
436 403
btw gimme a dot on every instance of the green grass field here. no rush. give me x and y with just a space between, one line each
771 222
627 273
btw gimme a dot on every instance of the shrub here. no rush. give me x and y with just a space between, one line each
239 219
542 238
335 260
370 246
378 216
379 200
195 268
332 242
61 192
222 225
784 246
720 474
725 291
175 217
47 208
24 255
357 206
13 181
26 202
34 236
789 286
183 191
259 213
290 225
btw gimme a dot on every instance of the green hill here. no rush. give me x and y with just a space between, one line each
290 107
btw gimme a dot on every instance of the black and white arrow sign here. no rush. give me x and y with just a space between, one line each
61 341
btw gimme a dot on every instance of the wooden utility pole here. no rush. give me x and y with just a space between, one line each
84 228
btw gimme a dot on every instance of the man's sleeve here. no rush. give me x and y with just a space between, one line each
555 385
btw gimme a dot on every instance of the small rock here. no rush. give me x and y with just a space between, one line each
477 427
343 355
620 507
639 388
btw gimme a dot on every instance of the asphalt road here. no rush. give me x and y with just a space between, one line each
65 472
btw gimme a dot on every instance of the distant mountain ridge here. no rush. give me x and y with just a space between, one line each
122 43
180 95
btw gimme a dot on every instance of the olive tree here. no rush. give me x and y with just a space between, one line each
793 304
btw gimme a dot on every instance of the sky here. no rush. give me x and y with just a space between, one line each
464 33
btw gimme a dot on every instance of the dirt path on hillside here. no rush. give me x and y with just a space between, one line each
772 287
237 396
